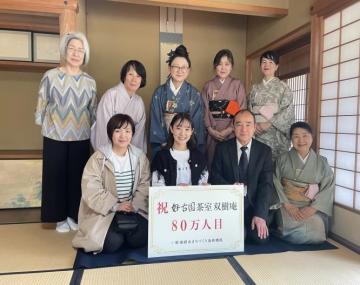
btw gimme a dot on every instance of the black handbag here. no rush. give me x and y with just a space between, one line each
126 221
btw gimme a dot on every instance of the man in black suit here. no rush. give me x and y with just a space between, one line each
248 161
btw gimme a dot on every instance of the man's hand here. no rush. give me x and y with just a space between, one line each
293 211
261 227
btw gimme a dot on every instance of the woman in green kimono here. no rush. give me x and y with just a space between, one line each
305 186
271 101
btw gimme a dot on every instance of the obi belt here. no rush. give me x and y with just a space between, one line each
223 108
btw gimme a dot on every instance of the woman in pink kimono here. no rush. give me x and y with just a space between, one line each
122 99
223 97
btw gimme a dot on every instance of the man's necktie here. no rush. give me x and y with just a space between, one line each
243 165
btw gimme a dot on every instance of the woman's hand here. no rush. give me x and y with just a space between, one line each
215 134
262 128
125 207
226 132
307 212
293 211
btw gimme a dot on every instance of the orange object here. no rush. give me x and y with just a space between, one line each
232 108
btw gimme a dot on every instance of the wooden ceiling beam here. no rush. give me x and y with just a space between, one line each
29 22
216 6
38 7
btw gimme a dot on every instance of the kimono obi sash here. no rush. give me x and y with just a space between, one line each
271 109
298 192
223 108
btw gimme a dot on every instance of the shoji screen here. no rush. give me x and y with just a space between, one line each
299 87
340 120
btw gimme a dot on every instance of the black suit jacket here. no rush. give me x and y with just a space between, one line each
225 171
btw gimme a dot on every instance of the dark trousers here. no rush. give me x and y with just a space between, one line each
114 239
63 165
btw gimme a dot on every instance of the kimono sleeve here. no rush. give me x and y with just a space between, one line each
241 97
139 138
279 163
103 115
93 103
208 121
43 99
324 200
157 128
94 194
285 117
251 94
196 113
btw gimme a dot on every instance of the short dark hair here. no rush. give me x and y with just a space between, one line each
116 122
180 117
271 55
180 51
242 112
220 54
301 125
139 68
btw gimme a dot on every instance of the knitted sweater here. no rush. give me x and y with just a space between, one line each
66 105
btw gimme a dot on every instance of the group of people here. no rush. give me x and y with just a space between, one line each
213 137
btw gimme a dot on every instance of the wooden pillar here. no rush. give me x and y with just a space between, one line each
67 21
315 78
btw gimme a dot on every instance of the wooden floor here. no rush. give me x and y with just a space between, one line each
32 253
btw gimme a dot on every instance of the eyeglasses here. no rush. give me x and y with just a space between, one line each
73 50
179 68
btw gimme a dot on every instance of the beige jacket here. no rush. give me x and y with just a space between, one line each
99 196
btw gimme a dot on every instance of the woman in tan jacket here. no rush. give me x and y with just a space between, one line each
115 185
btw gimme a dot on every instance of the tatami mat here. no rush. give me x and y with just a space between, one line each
32 247
44 278
339 266
214 271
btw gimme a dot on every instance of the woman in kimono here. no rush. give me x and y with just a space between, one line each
181 163
65 111
272 103
223 97
305 186
175 96
123 99
115 186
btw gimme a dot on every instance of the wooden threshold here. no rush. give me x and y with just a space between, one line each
20 154
20 215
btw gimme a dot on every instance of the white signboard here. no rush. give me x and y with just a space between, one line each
195 220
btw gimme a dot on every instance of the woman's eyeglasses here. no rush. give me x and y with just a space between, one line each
179 68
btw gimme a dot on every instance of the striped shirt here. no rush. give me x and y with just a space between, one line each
124 182
66 106
124 176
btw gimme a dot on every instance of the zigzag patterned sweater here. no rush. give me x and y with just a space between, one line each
66 106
